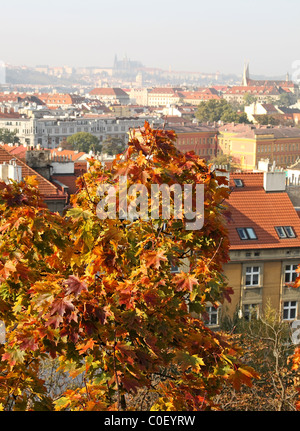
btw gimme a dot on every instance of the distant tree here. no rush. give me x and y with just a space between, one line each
8 137
248 99
211 110
222 159
267 119
82 141
113 146
219 110
286 99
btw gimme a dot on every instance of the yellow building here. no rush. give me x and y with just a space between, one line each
264 237
247 144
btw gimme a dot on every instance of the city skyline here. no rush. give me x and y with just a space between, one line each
199 37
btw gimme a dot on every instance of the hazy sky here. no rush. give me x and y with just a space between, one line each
196 35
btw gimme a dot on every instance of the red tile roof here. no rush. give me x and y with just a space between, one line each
251 206
239 89
17 150
67 180
46 188
108 92
74 155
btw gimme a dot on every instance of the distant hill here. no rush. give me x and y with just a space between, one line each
33 77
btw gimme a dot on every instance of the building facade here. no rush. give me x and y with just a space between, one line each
50 132
110 96
198 138
248 144
264 233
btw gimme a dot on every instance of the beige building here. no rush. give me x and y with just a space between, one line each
247 144
163 96
264 234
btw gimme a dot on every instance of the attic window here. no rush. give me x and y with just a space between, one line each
238 182
285 231
246 233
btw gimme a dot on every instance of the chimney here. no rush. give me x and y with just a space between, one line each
274 181
10 171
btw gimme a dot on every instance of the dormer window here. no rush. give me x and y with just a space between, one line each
285 232
238 182
246 233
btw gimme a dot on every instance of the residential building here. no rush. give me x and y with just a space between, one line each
59 100
286 84
110 96
264 233
262 93
248 144
163 96
201 139
257 109
49 132
292 114
11 167
139 96
201 95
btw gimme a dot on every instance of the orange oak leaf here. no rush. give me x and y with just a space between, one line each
154 258
185 281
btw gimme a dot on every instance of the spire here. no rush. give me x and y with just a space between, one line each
115 62
245 75
287 77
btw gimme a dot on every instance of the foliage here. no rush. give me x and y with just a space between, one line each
248 99
8 137
267 346
113 146
98 296
286 99
82 141
219 110
267 119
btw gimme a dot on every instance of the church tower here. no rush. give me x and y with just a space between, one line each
245 75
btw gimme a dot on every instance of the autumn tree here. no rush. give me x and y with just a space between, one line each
98 295
267 344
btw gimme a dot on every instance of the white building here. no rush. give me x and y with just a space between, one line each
50 132
260 109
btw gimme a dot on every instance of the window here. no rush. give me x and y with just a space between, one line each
289 310
2 332
211 316
238 182
252 276
290 274
285 231
174 268
251 311
246 233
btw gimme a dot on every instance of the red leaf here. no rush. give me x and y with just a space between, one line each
54 321
75 285
60 306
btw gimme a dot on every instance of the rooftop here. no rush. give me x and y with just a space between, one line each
251 206
46 188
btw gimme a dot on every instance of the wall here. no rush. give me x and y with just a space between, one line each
272 290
